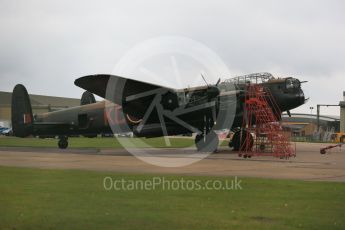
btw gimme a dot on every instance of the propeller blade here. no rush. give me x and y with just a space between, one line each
218 82
204 79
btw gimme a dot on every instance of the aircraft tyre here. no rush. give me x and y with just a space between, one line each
63 143
237 141
208 143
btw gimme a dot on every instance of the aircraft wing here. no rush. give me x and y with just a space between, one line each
136 96
98 84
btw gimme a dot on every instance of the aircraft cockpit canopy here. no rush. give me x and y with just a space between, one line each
240 81
292 83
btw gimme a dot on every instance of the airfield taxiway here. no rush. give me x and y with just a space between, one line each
309 164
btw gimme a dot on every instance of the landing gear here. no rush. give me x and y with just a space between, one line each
208 143
207 140
63 142
239 139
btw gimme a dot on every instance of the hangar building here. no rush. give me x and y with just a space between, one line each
305 125
40 104
342 114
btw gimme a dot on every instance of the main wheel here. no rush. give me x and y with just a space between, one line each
199 142
63 144
208 143
237 141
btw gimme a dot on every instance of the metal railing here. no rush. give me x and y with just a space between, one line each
255 78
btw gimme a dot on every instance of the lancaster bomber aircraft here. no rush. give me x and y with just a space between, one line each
150 110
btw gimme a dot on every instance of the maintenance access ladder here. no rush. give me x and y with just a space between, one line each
262 118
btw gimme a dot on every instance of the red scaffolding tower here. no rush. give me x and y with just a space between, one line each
264 135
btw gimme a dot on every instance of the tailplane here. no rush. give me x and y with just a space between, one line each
22 118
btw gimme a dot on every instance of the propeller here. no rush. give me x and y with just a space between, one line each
204 79
218 82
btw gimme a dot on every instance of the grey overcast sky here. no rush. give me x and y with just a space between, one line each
46 45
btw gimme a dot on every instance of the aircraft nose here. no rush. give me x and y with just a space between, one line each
302 97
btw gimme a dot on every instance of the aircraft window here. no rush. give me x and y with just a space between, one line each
188 97
292 83
296 83
289 83
181 98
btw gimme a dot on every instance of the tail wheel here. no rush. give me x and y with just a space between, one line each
63 143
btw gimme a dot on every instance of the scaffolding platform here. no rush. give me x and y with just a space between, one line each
262 130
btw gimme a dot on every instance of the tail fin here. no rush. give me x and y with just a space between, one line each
87 98
22 119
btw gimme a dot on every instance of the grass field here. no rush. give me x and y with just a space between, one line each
82 142
35 198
